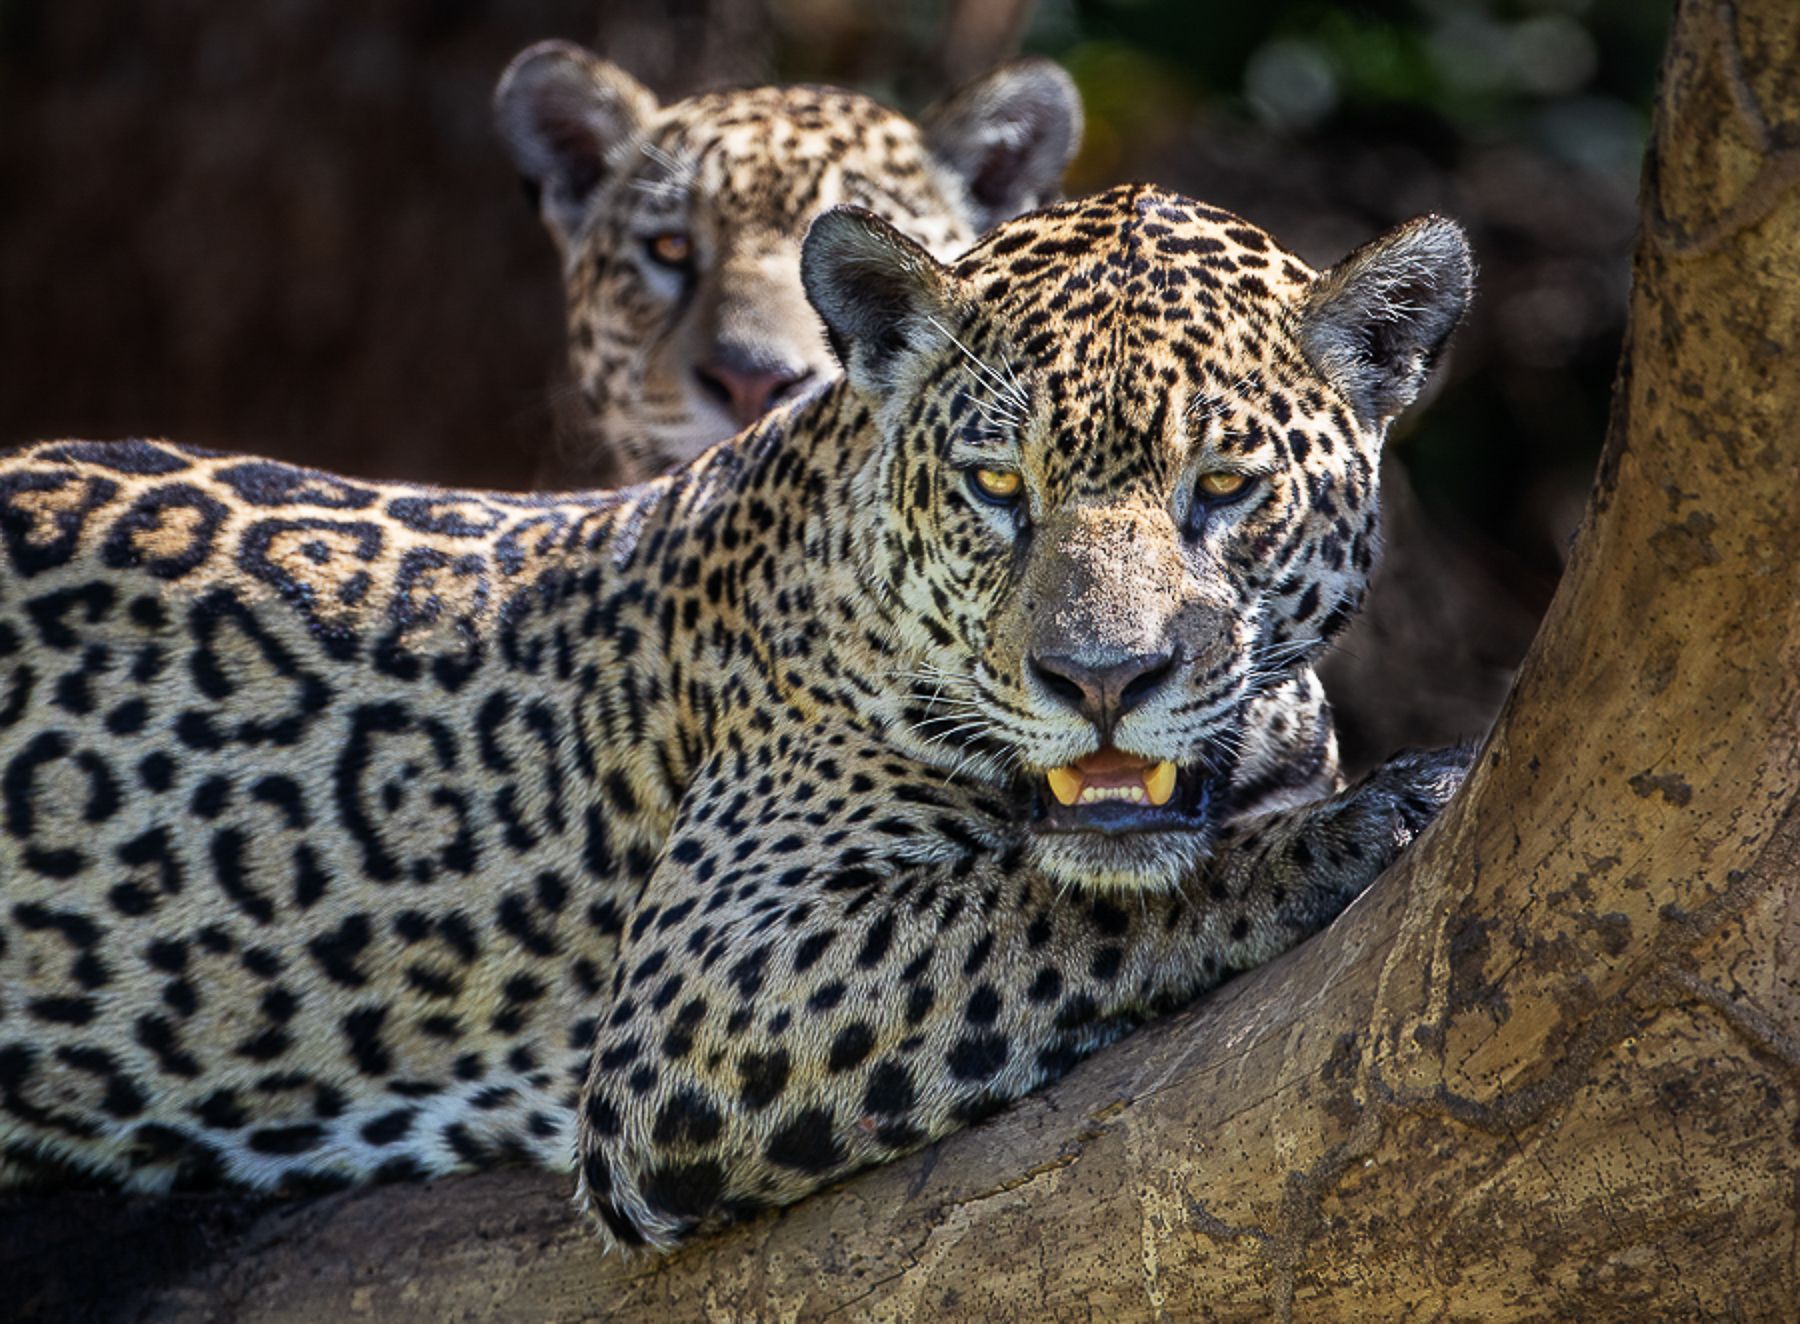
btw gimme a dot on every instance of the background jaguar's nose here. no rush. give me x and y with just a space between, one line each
747 384
1102 689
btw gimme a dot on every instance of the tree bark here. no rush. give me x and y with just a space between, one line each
1548 1067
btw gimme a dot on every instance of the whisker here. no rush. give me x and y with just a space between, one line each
1010 390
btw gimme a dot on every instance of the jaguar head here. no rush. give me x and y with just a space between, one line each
1125 481
680 226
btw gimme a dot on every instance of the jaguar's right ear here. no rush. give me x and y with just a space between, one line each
564 113
879 293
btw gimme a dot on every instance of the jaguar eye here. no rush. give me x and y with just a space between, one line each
671 249
997 487
1213 491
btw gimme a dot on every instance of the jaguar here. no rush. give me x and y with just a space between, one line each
714 837
679 230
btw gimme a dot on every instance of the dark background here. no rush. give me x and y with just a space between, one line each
287 226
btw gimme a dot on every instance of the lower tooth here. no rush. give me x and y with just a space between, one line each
1095 794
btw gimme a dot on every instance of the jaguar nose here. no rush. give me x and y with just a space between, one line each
746 384
1102 689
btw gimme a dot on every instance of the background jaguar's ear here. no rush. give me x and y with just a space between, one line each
1377 321
1010 134
877 291
561 111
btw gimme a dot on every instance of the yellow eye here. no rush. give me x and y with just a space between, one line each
672 249
1219 483
1001 487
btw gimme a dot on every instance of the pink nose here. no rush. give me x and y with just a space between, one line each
747 387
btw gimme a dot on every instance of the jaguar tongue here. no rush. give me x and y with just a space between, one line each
1108 774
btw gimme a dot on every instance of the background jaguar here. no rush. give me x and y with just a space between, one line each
680 228
735 830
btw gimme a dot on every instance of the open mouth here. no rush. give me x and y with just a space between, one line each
1114 792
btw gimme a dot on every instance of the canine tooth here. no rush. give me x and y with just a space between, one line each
1159 783
1065 785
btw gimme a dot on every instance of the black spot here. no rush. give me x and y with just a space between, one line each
211 798
811 948
180 998
875 945
619 1225
602 1117
687 1118
287 1139
1076 1012
62 1011
1105 965
762 1077
977 1108
130 899
977 1056
852 1045
158 771
336 952
899 1135
161 1038
1047 987
402 1168
808 1143
168 954
362 1028
466 1147
266 1045
128 718
221 1111
978 955
984 1006
389 1127
890 1089
1110 919
684 1190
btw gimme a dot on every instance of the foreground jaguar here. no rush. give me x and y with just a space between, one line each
737 830
680 226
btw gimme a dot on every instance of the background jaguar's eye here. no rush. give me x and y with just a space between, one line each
998 487
1219 483
671 249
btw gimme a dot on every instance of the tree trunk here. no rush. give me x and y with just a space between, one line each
1549 1067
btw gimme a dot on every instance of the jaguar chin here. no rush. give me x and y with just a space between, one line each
1118 821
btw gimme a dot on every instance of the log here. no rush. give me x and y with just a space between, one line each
1547 1068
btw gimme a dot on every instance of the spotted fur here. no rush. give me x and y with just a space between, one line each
694 833
670 357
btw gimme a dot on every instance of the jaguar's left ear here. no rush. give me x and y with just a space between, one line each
877 291
1376 323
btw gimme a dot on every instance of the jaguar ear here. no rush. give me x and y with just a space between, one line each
562 112
1010 134
877 291
1376 323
